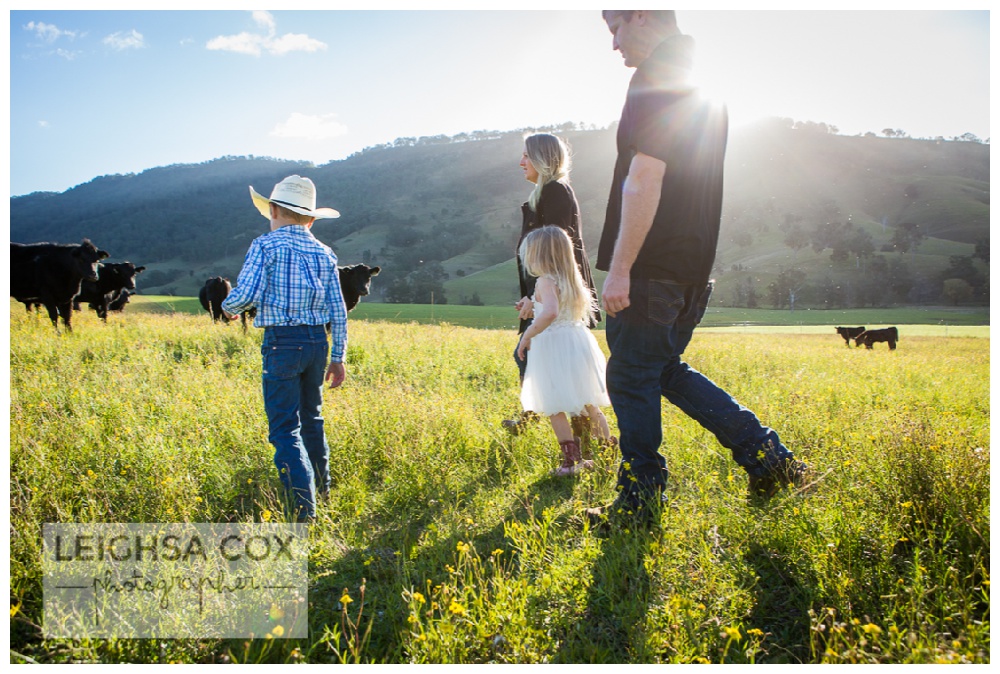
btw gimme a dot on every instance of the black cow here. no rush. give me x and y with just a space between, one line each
250 313
355 282
869 337
51 274
849 333
112 279
211 295
119 301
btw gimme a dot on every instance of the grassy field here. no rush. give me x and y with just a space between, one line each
462 545
504 317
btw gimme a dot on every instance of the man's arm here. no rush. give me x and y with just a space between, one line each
640 199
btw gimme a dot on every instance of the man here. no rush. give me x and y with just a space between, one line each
658 247
291 279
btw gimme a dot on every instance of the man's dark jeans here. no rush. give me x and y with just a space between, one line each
294 364
646 341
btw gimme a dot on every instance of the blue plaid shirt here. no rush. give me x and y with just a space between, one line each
291 278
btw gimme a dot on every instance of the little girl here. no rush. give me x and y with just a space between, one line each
565 374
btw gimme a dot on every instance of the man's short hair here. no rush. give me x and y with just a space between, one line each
664 16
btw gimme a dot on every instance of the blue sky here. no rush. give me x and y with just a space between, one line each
103 92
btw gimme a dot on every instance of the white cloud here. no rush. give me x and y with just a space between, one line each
255 44
290 42
66 54
125 40
47 32
310 127
244 43
43 123
265 20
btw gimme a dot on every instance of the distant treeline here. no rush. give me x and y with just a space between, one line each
811 217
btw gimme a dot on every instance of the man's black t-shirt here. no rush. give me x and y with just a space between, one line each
667 118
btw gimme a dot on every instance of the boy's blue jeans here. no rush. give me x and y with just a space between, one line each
646 341
294 364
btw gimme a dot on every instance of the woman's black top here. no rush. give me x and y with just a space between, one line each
557 206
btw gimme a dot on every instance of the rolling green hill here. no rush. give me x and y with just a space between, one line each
834 221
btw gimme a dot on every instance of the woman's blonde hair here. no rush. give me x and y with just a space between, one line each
547 251
549 155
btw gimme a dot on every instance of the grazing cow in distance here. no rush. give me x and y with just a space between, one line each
869 337
211 295
119 301
355 282
112 279
51 274
250 313
849 333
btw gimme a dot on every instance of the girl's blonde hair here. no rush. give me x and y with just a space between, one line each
549 155
547 251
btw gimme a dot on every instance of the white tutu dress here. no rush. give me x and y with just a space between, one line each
565 370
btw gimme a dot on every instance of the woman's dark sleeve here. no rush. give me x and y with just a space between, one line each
557 206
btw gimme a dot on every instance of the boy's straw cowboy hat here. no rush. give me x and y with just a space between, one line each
295 193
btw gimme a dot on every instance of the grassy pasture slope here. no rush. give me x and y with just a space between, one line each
972 321
470 551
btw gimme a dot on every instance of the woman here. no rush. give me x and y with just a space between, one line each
546 163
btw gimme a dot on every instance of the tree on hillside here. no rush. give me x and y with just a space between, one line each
873 285
861 246
796 238
900 279
788 221
745 293
831 294
906 237
834 235
742 238
962 267
786 288
957 290
983 250
423 286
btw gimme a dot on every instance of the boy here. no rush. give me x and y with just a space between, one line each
291 279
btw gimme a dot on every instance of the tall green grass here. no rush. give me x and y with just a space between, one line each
447 540
926 320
